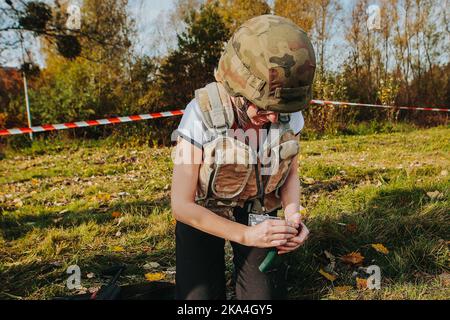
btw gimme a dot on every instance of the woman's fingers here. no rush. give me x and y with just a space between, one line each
280 236
294 242
290 247
303 234
291 244
284 229
278 243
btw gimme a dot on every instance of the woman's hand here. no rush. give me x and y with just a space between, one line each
270 233
296 242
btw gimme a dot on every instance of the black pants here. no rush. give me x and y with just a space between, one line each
201 267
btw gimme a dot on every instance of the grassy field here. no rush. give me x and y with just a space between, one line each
95 204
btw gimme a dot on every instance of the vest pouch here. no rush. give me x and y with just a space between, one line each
232 168
280 161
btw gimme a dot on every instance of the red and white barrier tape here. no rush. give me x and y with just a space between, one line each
338 103
90 123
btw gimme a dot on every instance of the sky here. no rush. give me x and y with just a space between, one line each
146 13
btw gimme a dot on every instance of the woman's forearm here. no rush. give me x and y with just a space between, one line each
290 191
207 221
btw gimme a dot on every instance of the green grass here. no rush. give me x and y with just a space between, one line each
57 200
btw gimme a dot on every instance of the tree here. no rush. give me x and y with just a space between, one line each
188 67
192 64
300 12
96 83
236 12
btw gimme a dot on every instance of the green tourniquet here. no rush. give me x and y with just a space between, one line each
268 261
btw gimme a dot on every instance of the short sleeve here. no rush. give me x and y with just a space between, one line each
297 122
191 126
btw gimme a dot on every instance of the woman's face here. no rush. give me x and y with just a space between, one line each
259 117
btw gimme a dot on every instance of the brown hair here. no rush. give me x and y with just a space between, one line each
240 106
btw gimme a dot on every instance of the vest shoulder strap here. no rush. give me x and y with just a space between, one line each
215 106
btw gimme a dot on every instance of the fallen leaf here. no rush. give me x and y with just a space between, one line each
118 249
93 289
123 194
445 279
342 289
361 283
151 265
103 197
435 195
353 258
352 228
17 203
116 214
81 291
308 180
327 275
154 276
380 248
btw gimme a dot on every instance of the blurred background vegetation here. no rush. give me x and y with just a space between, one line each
96 71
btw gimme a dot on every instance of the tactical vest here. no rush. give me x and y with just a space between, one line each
231 171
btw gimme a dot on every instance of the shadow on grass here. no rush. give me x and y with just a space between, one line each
412 226
12 228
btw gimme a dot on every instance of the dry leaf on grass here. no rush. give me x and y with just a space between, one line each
307 180
435 195
351 228
17 203
118 249
151 265
102 197
327 275
116 214
361 283
353 258
445 279
380 248
154 276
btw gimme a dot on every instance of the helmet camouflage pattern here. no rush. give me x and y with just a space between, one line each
270 61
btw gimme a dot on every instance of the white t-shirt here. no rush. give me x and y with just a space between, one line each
192 129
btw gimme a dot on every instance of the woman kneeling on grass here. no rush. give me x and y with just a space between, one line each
236 162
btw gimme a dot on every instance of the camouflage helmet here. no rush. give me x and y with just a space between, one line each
270 61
